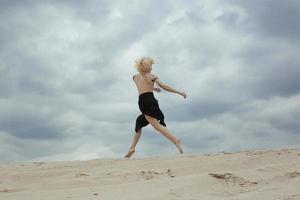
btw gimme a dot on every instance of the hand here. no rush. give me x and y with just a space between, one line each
183 94
157 89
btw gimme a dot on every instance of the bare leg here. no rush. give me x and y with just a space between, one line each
164 131
133 144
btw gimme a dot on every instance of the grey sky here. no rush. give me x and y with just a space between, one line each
66 89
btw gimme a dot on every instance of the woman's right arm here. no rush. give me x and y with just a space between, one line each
166 87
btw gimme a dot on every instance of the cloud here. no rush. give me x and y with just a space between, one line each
271 18
66 90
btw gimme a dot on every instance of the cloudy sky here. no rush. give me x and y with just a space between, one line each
66 89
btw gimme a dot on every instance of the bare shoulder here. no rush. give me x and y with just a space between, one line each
155 79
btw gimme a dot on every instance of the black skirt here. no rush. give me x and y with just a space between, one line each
148 105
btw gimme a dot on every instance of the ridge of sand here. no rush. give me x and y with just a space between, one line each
260 174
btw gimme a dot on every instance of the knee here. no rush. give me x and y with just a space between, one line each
156 126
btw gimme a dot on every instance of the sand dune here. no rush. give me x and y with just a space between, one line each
251 175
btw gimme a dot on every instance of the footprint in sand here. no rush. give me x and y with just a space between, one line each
170 173
10 190
283 177
81 174
230 178
292 174
148 174
151 174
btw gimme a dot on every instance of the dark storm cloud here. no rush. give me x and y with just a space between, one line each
15 149
33 72
26 73
29 120
200 108
31 127
59 56
271 18
229 18
271 72
66 68
93 9
290 125
271 65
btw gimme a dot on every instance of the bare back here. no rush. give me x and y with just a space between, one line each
144 82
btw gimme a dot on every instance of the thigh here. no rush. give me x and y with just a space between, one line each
153 121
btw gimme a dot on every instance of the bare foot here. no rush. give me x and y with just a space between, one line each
179 146
130 152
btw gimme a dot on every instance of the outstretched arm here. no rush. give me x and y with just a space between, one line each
170 89
167 87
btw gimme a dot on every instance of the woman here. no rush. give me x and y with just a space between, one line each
148 104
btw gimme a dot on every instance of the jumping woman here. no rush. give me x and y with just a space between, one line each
148 104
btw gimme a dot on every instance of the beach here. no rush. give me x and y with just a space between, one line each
256 174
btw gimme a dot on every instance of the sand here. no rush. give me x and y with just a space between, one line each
251 175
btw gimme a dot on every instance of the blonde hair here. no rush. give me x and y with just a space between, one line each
143 64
